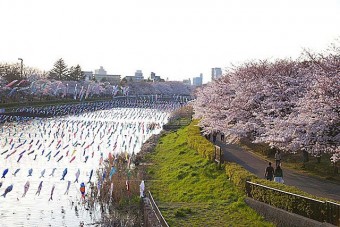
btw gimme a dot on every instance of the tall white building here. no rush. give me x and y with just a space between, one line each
216 73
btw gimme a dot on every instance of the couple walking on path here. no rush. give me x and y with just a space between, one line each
276 175
254 164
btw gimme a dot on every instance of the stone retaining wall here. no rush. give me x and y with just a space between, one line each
281 217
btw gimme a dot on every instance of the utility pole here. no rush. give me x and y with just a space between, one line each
21 66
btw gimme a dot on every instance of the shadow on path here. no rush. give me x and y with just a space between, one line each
256 165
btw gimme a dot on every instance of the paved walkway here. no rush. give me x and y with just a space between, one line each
257 165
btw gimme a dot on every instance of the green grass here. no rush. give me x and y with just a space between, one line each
191 191
324 169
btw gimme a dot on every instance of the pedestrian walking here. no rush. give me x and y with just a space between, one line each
278 158
269 172
214 136
278 175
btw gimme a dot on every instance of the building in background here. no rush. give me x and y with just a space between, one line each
155 78
216 73
100 75
138 76
129 78
187 82
198 81
112 79
100 71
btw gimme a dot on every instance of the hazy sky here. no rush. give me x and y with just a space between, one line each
177 39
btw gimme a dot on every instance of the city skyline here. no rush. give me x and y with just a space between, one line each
176 39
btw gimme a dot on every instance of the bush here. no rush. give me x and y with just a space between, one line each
203 146
281 197
301 203
238 175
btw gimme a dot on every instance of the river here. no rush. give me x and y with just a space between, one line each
79 142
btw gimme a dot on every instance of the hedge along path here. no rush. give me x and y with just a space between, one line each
191 190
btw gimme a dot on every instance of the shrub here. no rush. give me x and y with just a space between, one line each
295 201
203 146
281 197
238 175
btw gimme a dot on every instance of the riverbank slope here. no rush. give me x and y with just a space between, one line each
191 191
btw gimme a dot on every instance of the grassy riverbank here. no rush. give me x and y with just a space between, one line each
190 191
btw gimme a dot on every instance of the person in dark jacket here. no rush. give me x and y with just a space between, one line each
269 172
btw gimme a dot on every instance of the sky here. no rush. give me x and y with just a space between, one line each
176 39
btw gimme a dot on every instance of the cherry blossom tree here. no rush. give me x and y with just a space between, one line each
212 105
292 105
319 110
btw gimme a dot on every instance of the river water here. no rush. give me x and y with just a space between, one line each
74 142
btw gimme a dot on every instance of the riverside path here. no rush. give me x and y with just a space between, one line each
257 165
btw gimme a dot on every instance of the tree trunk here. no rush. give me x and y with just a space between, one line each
305 156
336 169
319 159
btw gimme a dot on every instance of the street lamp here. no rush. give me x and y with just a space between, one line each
21 66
